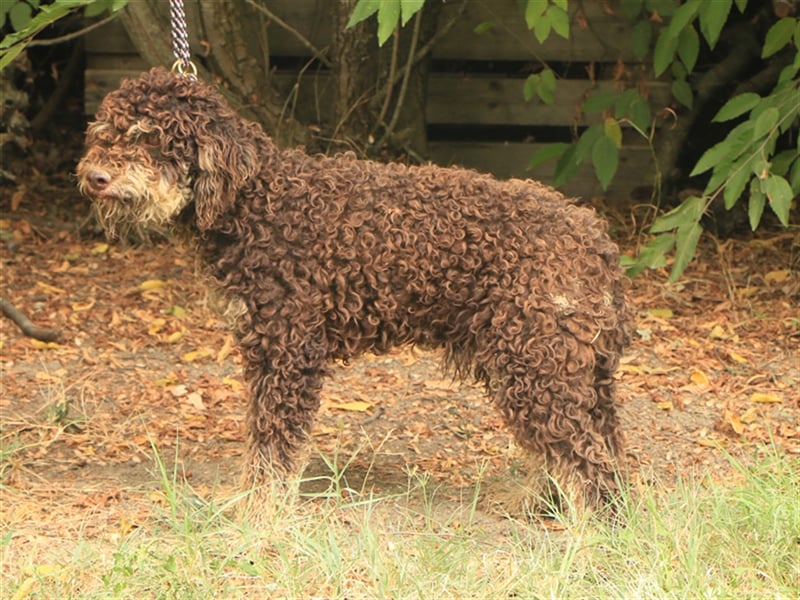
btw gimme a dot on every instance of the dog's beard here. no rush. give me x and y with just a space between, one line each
139 202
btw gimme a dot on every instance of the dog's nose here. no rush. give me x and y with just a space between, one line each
98 180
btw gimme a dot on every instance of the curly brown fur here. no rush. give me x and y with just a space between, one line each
334 256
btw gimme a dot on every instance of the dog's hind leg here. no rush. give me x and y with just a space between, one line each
545 389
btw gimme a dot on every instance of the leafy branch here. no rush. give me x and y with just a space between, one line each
26 25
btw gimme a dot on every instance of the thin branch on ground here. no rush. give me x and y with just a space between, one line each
25 324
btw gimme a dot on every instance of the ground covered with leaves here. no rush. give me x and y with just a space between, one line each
144 367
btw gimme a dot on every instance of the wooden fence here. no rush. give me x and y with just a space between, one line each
476 114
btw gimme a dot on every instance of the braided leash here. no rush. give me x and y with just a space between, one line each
180 40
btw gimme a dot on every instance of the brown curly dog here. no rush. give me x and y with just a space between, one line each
334 256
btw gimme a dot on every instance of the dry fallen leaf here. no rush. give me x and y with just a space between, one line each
734 421
737 358
354 406
156 325
44 345
151 284
699 378
762 398
195 400
195 355
778 276
234 384
661 313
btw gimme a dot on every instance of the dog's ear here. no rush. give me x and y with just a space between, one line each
227 156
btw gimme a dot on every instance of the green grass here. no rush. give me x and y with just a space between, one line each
740 540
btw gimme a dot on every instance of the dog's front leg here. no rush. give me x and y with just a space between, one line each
284 368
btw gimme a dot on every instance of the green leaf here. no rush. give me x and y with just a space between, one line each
534 11
682 17
779 193
765 122
632 8
653 255
548 152
363 11
599 102
613 131
547 86
583 148
96 8
713 16
605 158
689 211
665 8
685 247
11 45
710 158
740 139
782 161
641 115
664 52
566 167
778 36
20 15
641 36
542 28
530 87
563 4
388 15
736 106
682 92
689 47
408 8
741 5
794 176
559 20
484 27
633 106
755 207
735 185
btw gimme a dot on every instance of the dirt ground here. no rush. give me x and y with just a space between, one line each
144 365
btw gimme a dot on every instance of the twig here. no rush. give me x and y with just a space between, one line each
428 46
387 98
303 40
25 324
374 417
71 36
404 85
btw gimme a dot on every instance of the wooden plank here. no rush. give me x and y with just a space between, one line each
607 38
98 82
452 100
484 100
111 38
511 160
499 101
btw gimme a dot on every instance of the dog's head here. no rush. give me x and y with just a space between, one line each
161 142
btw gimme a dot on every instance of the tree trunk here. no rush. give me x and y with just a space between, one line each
355 79
380 92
